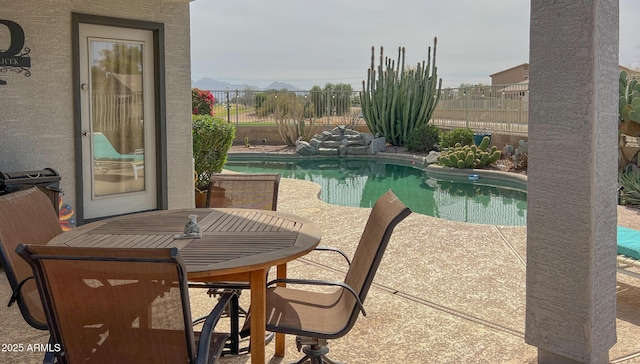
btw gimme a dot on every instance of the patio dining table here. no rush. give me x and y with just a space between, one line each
236 245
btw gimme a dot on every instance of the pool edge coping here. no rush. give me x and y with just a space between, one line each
434 169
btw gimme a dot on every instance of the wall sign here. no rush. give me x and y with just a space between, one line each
15 58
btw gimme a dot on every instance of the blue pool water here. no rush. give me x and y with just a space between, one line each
360 182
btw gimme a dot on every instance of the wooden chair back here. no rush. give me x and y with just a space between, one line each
26 217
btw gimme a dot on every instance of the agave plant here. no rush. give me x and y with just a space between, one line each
630 188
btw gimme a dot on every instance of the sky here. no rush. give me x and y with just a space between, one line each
307 43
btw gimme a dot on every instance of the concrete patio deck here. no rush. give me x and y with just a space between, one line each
445 292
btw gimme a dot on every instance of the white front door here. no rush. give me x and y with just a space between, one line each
118 128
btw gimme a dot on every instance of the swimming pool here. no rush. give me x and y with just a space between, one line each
360 182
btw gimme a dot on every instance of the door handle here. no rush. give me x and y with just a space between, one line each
85 133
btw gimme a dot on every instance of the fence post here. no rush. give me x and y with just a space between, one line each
275 103
519 110
237 96
327 104
228 107
466 107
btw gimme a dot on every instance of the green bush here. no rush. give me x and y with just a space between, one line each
212 139
423 139
630 193
464 136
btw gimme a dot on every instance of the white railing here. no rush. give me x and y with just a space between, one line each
502 109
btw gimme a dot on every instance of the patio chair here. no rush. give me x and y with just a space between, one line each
243 190
105 155
314 316
110 305
26 216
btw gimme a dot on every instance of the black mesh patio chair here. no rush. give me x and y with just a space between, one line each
26 216
315 317
110 305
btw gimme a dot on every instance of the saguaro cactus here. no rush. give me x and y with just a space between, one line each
396 100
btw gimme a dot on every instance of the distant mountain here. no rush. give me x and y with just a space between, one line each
281 85
211 84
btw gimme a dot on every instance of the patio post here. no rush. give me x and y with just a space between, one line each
571 244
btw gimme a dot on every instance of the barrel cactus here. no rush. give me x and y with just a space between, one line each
469 156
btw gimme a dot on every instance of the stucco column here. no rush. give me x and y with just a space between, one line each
571 245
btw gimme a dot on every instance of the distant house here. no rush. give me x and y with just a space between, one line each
630 73
517 74
520 75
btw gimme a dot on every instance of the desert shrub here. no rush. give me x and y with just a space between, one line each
423 139
464 136
202 102
212 139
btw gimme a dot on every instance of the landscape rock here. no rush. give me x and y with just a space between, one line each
305 149
378 145
432 157
341 141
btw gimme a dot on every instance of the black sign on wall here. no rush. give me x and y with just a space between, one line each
15 58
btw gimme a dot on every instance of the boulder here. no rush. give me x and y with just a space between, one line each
327 151
315 142
367 137
304 148
359 150
432 157
378 145
342 150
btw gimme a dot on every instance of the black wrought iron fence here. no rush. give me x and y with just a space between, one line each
251 107
491 108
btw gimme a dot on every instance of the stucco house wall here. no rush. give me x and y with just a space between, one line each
36 112
512 75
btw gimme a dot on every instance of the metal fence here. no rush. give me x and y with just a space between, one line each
502 109
250 107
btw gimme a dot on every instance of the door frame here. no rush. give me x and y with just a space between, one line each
159 98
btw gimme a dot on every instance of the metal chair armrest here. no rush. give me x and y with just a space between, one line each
332 249
209 325
221 285
314 282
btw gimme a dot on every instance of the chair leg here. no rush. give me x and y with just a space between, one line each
234 307
315 350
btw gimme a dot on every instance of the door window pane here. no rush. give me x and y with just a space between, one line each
117 117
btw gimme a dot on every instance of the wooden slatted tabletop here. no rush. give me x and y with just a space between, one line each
236 244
